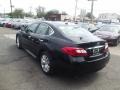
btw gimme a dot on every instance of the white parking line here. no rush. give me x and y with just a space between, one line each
10 36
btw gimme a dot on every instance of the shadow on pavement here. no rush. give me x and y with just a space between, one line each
66 78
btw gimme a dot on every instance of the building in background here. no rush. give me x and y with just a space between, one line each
59 17
108 17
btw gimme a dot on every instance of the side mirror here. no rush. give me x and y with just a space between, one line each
23 28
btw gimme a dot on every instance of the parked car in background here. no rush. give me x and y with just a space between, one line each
110 33
4 21
8 23
60 44
22 22
90 27
99 24
27 22
17 23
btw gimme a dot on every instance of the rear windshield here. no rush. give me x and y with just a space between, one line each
75 31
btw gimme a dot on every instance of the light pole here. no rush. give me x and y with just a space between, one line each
30 9
4 12
92 5
76 2
11 6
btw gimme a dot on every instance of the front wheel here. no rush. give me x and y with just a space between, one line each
46 63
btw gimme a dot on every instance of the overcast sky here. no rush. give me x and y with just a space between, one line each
100 6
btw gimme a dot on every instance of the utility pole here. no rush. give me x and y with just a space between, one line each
92 5
4 12
11 6
30 9
76 2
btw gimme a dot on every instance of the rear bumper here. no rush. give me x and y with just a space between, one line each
97 64
82 64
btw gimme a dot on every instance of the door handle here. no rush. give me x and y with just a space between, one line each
41 40
29 36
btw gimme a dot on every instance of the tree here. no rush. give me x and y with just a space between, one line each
29 14
89 15
40 12
9 14
64 13
18 13
54 11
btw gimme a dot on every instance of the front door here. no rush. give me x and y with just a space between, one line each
27 36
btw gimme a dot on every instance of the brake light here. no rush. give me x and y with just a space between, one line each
73 51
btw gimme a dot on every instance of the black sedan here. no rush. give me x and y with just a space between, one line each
110 33
65 45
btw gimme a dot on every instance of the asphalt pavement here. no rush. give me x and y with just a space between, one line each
19 71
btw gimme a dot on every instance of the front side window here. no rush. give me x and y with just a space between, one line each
32 27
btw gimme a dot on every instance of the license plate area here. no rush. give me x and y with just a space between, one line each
95 51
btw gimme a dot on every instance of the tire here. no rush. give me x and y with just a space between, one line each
47 64
18 42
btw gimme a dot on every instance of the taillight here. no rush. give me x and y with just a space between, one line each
73 51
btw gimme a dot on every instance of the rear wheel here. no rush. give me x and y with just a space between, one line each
18 43
46 63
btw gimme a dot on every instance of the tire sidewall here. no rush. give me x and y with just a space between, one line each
18 39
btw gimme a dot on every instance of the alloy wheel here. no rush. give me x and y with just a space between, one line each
45 63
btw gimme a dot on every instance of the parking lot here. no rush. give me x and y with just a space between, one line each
19 71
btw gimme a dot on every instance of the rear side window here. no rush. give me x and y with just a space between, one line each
44 29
